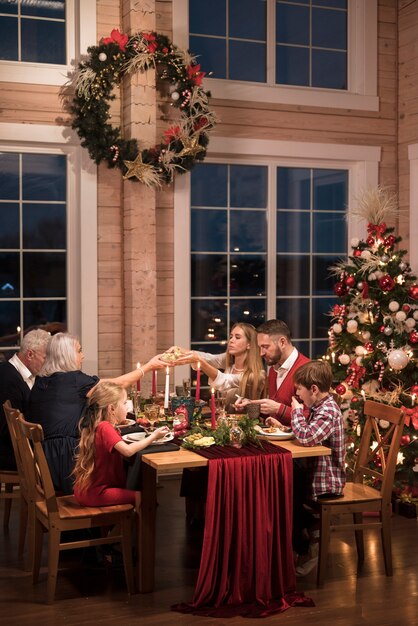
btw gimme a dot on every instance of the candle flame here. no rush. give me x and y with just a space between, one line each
138 365
212 390
198 365
167 370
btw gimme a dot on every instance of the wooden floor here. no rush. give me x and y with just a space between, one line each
96 595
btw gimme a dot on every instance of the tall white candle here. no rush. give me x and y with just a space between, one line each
167 387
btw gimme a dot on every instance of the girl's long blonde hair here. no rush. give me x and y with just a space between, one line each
253 378
103 395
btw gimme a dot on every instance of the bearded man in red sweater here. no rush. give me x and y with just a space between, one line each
283 359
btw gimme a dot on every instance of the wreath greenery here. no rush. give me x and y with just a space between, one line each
184 143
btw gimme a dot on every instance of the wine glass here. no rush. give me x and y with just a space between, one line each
186 386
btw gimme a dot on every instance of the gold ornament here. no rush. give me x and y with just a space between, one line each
191 147
136 168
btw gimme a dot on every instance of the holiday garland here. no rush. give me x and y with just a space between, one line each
184 143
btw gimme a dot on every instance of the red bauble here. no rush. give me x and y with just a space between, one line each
340 289
413 337
387 283
406 308
413 292
382 328
370 240
357 253
354 399
350 281
389 241
405 440
369 346
340 389
414 389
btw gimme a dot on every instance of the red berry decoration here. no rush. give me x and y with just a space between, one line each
413 292
340 289
387 283
340 389
405 440
389 241
369 346
370 240
414 389
357 253
350 281
406 308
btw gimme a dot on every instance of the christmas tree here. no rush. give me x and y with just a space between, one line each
373 335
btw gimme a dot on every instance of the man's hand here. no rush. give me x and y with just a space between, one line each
268 407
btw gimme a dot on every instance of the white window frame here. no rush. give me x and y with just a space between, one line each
362 163
362 66
413 202
80 33
82 307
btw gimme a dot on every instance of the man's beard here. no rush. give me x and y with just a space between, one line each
276 359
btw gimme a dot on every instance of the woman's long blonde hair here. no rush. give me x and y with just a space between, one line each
252 381
103 395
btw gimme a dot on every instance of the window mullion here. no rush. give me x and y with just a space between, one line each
271 241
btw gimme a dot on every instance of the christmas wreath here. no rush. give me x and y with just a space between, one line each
184 143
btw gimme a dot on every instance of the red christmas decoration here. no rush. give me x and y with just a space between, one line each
406 308
387 283
389 241
350 281
357 253
370 240
414 389
413 292
340 389
413 337
405 440
340 289
369 346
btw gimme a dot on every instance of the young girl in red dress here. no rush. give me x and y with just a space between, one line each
100 475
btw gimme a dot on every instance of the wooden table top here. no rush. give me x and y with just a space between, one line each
182 458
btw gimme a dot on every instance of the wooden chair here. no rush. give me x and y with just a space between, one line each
57 514
27 504
359 496
9 479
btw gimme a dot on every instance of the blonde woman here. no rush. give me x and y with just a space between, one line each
100 475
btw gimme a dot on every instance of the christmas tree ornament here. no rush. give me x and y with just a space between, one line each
413 292
415 315
413 337
400 316
344 359
402 266
398 360
381 345
393 306
340 389
372 276
384 424
352 326
406 308
337 328
366 335
386 283
340 289
359 350
360 285
370 241
365 254
103 57
410 323
355 242
405 440
357 253
414 390
389 241
388 331
368 346
385 258
350 281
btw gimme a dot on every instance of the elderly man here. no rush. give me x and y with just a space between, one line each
17 377
283 359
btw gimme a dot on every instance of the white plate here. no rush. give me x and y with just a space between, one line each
165 439
129 422
134 437
278 435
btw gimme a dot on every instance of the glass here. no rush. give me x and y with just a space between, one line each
236 435
9 220
293 231
152 413
220 403
329 69
209 320
295 311
248 186
248 275
9 175
208 275
292 24
209 230
49 313
329 29
51 266
329 190
46 8
207 18
44 226
9 275
212 54
292 275
248 231
247 19
252 311
247 61
8 39
43 41
293 188
44 177
9 321
329 233
292 66
186 386
209 185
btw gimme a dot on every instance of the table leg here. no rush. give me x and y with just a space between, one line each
147 521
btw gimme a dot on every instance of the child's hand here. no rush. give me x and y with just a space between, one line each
271 421
161 432
295 404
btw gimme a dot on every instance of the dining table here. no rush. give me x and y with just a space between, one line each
159 464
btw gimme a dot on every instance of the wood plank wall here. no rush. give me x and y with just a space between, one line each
39 104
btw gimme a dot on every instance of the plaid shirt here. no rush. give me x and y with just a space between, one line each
325 426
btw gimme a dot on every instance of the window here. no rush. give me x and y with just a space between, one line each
230 217
312 52
33 211
33 31
255 235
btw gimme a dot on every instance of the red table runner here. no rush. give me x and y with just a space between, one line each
246 566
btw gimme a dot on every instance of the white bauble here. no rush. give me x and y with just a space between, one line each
384 424
393 306
410 323
398 359
388 331
365 254
415 314
379 274
359 360
337 328
401 316
103 57
175 96
352 326
344 359
355 242
359 350
366 335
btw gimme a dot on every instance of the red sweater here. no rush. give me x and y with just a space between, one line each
286 391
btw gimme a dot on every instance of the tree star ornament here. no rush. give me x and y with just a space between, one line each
94 81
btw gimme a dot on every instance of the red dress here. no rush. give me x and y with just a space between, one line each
109 475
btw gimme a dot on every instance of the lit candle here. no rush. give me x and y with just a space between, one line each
363 394
167 387
138 382
154 383
413 398
333 357
198 382
212 408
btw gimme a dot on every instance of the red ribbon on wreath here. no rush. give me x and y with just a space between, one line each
356 373
411 416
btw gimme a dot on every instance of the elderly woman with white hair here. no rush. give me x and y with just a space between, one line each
59 398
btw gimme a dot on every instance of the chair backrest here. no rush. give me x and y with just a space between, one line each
35 457
379 446
11 420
